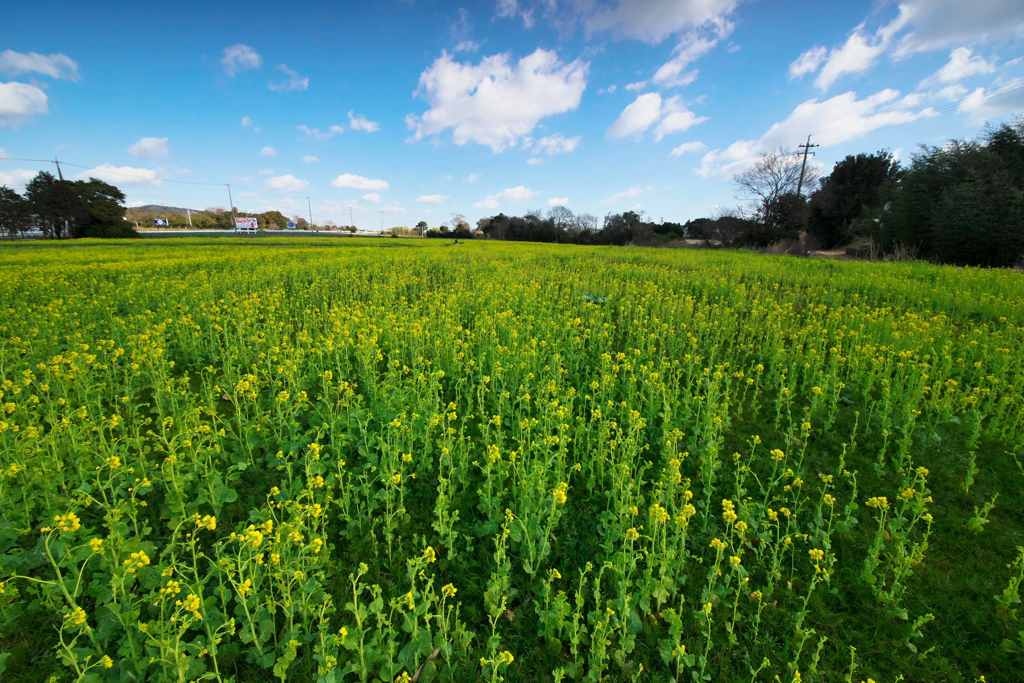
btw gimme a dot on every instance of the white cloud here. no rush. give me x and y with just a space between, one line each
310 159
962 64
635 85
317 134
691 47
651 21
833 121
671 115
240 57
921 26
534 161
628 193
466 46
808 62
268 151
677 118
150 148
372 197
518 193
16 179
554 144
471 178
19 101
247 121
951 93
558 201
989 105
638 116
286 183
942 24
122 175
54 65
496 102
510 9
431 199
609 90
358 182
856 55
688 148
357 122
293 81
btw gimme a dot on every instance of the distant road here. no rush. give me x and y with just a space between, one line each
149 232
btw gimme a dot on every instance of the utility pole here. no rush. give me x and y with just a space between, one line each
309 207
57 164
231 205
806 147
350 220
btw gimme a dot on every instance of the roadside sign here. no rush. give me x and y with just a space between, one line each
246 224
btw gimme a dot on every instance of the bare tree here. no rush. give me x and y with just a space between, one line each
774 175
562 217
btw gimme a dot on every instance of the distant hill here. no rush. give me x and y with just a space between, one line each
157 208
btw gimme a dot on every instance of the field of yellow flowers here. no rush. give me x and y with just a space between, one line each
393 460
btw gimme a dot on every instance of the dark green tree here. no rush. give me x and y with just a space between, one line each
14 213
857 184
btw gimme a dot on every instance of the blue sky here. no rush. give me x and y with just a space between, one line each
398 111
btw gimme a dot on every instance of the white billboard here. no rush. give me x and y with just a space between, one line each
246 224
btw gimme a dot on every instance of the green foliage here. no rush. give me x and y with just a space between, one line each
857 184
962 203
380 460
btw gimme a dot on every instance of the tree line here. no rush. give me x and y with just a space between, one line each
960 203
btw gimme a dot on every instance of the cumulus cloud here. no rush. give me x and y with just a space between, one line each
688 148
358 182
431 199
921 26
286 183
671 116
941 24
248 123
54 65
534 161
609 90
558 201
317 134
238 58
16 179
833 121
122 175
691 47
676 119
651 21
496 102
962 64
638 116
268 151
150 148
20 101
635 86
293 81
983 104
551 145
359 123
518 193
808 62
372 197
310 159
